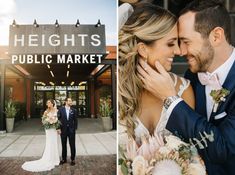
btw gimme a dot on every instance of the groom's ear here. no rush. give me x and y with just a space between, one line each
217 36
142 50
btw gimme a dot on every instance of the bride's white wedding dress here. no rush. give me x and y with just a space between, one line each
50 157
141 130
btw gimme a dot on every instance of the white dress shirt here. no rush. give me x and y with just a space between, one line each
222 72
67 111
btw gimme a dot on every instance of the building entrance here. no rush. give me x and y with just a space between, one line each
79 95
30 85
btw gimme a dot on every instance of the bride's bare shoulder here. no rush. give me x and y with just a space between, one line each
55 110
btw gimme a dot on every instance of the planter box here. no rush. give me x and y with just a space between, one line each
10 124
107 123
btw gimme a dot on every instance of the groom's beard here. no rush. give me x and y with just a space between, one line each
203 58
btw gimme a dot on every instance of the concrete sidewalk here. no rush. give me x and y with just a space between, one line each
34 126
13 145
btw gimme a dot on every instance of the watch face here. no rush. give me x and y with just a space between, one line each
168 102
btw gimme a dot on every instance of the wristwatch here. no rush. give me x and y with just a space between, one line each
169 100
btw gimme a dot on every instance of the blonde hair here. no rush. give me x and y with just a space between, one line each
147 24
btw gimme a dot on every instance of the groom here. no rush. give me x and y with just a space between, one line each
204 32
68 118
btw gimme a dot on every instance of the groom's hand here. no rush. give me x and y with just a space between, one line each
160 83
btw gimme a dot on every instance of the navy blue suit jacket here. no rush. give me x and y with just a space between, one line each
219 156
67 125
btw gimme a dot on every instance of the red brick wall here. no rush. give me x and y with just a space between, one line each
18 88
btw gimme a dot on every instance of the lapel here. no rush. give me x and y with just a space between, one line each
199 91
200 99
70 112
228 84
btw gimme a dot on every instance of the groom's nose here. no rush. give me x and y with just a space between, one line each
183 49
177 50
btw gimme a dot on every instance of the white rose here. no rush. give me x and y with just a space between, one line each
54 119
164 150
167 167
51 121
174 142
139 166
196 169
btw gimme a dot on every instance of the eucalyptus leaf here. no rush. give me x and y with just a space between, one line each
124 169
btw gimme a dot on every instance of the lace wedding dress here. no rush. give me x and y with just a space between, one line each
50 157
141 130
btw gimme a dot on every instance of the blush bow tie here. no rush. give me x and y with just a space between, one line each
209 80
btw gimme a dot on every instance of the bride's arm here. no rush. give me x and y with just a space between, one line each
185 90
188 96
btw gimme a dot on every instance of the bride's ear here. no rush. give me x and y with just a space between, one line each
142 50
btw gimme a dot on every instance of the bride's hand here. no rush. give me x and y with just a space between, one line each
160 83
59 131
45 113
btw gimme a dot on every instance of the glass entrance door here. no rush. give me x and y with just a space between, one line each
39 101
73 96
79 95
49 95
82 104
79 102
41 98
60 95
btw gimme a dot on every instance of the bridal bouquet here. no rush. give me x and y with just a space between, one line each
50 121
162 156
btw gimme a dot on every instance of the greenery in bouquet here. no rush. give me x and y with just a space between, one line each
50 121
105 107
163 156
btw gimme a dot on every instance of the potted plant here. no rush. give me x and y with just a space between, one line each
10 111
106 113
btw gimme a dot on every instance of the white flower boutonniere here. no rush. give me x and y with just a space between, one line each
218 97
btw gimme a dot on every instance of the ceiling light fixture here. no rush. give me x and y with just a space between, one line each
52 74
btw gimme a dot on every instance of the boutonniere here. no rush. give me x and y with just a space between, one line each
218 96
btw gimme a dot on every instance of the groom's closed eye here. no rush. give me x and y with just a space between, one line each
184 41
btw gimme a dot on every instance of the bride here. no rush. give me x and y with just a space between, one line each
150 34
50 157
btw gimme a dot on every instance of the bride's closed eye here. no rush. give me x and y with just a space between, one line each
171 44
